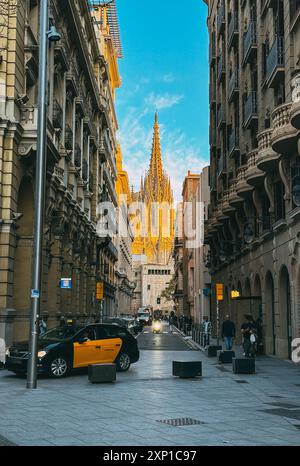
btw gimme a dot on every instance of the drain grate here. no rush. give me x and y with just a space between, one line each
184 421
4 442
241 381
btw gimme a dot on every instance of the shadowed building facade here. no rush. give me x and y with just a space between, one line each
81 165
253 228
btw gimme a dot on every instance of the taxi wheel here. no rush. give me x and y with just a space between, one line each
58 367
123 362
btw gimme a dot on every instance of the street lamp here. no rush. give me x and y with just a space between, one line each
44 36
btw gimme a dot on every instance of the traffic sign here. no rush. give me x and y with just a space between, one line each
99 291
66 283
220 291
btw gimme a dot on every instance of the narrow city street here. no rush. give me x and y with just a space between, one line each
148 406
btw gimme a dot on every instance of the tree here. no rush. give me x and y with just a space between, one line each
168 293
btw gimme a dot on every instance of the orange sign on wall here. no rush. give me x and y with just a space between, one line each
220 291
99 291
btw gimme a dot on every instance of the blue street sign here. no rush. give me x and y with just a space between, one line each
66 283
35 294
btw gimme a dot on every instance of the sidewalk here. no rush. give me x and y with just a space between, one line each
142 407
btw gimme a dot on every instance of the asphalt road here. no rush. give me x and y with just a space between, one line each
147 340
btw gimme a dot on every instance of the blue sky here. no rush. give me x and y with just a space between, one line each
165 67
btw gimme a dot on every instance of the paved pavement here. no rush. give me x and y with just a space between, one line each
220 408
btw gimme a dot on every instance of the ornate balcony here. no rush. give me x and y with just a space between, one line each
254 176
233 86
242 188
233 29
284 135
295 109
227 208
234 142
57 116
234 199
221 68
267 158
250 110
275 63
250 43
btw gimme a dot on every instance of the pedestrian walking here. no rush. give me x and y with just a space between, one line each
42 326
206 331
2 353
249 333
228 333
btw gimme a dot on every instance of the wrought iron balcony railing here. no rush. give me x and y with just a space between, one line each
221 67
234 141
233 86
77 155
68 137
57 116
221 165
221 18
250 40
250 109
233 28
212 49
221 118
275 59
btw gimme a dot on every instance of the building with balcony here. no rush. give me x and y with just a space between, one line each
82 77
253 229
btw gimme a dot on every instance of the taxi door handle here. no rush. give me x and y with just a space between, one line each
118 344
98 347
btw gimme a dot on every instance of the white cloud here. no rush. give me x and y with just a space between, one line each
168 78
160 101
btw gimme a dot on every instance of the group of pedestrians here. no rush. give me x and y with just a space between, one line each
249 331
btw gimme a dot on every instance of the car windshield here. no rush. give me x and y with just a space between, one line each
61 333
143 314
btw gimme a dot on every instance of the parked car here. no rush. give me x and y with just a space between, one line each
133 325
69 347
144 317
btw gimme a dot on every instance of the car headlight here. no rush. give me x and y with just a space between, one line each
41 354
7 352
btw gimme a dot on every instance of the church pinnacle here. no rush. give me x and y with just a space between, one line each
156 166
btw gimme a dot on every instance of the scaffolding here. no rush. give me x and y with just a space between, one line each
113 22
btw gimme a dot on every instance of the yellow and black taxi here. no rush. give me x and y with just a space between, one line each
69 347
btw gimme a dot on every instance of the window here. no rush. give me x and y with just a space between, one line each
279 201
111 331
149 287
87 333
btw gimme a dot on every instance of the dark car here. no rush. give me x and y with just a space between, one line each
65 348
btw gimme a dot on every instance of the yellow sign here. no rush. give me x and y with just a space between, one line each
99 290
235 294
220 291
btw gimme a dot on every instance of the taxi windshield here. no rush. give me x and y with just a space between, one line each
61 333
143 314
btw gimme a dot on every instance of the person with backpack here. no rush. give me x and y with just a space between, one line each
249 333
228 333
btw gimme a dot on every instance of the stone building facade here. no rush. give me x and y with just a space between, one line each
253 228
81 166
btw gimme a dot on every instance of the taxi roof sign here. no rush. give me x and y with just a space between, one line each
235 294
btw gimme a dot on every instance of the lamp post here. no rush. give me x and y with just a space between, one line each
40 175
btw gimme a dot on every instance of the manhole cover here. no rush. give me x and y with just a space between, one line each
4 442
185 421
241 381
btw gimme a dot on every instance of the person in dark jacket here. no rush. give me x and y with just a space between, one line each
228 332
